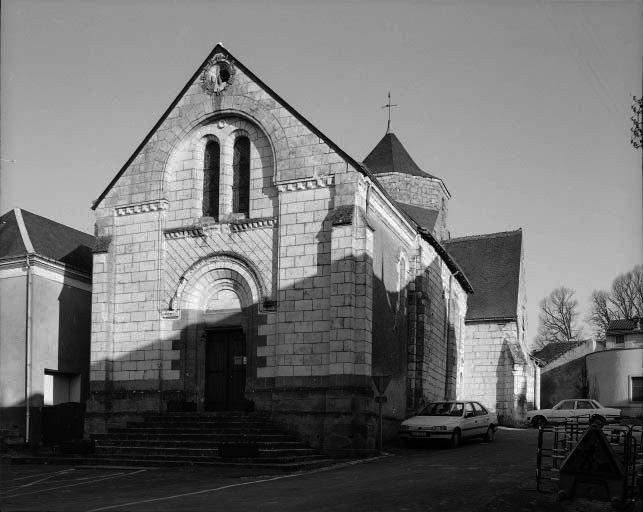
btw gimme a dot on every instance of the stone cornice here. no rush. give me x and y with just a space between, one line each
306 184
142 207
246 224
224 227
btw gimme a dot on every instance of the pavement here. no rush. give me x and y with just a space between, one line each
478 476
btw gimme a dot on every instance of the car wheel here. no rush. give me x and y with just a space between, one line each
490 435
597 420
539 422
455 439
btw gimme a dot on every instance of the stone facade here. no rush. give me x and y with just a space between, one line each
295 298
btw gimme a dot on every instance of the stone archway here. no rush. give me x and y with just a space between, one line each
218 298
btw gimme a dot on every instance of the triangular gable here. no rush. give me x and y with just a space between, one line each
219 48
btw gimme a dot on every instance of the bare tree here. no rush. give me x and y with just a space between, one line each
601 312
558 319
623 301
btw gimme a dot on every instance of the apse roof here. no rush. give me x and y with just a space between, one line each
492 264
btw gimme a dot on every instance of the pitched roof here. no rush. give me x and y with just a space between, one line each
360 167
422 216
492 264
44 237
389 155
219 48
554 350
624 325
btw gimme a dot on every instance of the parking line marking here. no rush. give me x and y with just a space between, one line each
230 486
100 479
52 475
35 476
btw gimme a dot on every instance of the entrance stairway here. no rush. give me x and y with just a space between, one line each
237 439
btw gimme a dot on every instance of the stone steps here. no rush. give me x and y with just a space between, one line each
194 438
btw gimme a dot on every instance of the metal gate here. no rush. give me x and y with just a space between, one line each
556 442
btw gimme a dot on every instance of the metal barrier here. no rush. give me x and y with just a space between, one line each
557 441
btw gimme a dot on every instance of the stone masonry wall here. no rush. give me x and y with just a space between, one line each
490 375
426 192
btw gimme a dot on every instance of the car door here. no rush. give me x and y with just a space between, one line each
469 421
482 416
563 410
584 409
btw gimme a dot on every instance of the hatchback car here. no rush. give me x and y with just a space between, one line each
583 409
450 420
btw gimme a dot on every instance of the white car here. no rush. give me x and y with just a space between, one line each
583 409
450 420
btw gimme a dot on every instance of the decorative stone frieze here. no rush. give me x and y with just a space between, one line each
246 224
184 232
318 182
147 206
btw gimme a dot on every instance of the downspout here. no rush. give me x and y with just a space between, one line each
28 369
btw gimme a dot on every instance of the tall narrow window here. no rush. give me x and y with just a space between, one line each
211 179
241 176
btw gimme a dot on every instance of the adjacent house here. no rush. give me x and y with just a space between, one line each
45 319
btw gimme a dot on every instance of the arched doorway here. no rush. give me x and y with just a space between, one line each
219 298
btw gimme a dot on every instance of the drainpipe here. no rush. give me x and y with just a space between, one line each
447 332
28 355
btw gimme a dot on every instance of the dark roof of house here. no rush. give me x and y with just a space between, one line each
492 264
389 155
424 217
48 238
632 324
554 350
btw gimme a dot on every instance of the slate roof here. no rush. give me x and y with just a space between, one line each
49 239
554 350
422 216
492 264
624 325
389 155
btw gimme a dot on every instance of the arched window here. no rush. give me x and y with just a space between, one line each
402 286
211 180
241 176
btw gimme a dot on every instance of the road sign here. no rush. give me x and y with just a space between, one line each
381 382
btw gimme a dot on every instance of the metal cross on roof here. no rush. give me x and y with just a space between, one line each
389 105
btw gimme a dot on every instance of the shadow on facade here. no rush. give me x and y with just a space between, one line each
307 359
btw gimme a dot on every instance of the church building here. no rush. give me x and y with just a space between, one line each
246 262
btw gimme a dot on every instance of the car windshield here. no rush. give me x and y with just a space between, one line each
443 409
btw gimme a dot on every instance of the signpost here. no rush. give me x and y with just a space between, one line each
381 383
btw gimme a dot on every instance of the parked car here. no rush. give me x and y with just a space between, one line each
582 409
450 420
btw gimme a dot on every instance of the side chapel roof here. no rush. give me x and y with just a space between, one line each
360 167
23 233
492 263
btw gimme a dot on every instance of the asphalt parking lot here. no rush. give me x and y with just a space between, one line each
478 476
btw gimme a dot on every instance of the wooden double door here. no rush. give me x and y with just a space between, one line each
225 369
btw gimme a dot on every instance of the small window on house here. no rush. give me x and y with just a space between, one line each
60 387
620 339
211 180
637 389
241 176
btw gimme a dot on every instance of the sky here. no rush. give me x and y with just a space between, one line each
522 107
